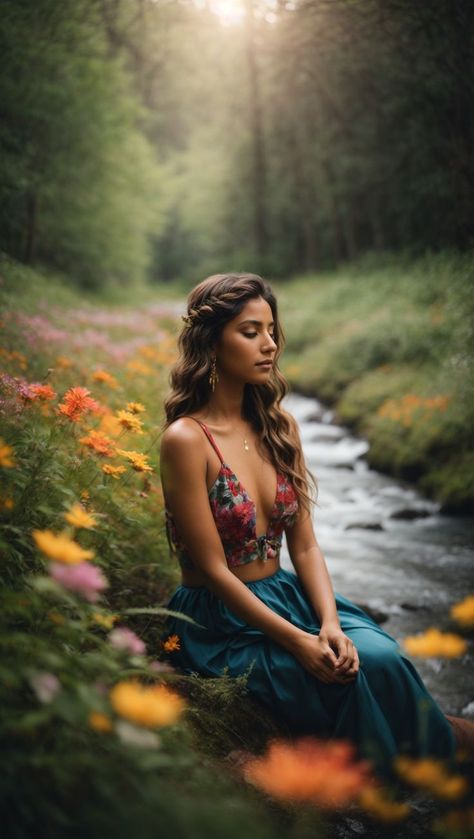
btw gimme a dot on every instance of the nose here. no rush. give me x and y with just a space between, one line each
269 343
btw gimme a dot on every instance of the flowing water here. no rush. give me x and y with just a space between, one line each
408 570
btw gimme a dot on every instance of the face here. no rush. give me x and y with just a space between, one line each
245 342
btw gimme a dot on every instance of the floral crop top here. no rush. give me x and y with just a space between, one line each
235 516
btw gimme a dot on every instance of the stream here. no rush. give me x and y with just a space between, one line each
388 548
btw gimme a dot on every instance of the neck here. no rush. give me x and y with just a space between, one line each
225 405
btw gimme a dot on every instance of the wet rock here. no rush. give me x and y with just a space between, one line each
376 614
408 513
365 525
413 607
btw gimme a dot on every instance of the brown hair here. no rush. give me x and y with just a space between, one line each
211 304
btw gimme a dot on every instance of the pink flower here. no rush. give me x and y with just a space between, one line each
45 686
84 578
123 638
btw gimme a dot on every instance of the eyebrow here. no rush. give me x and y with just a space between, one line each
256 322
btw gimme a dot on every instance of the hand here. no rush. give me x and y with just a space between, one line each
314 652
347 661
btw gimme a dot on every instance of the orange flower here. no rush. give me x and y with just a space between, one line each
43 391
323 773
463 612
137 460
63 362
105 378
99 443
77 402
146 706
7 459
433 643
375 801
431 774
129 421
171 644
135 407
100 722
113 471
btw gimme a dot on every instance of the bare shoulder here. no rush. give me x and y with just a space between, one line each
182 441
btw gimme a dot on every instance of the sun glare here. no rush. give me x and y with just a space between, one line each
229 12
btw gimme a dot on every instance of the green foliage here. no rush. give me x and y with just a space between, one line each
374 336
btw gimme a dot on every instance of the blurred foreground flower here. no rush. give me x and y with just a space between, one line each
44 392
100 722
122 638
138 461
77 516
7 459
431 774
77 402
435 643
85 579
60 547
45 685
463 612
322 773
375 801
146 706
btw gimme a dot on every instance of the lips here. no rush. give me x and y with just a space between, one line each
264 364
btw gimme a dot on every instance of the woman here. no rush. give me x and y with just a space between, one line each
234 479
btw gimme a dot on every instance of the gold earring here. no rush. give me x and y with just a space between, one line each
213 378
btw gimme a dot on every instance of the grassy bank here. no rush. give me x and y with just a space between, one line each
100 734
389 344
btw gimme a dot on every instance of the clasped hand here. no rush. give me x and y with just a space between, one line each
330 656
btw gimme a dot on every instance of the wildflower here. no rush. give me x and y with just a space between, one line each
60 547
77 402
63 362
135 407
133 736
137 460
139 367
109 424
435 643
99 443
105 378
107 621
323 773
77 516
130 422
146 706
375 801
85 494
113 471
7 504
171 644
45 685
84 578
463 612
44 392
7 459
123 638
430 774
100 722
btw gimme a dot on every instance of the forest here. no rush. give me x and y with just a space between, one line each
156 140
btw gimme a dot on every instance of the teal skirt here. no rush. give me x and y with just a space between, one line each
385 711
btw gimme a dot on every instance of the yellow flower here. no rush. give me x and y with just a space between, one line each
146 706
130 422
135 407
60 548
107 621
113 471
77 516
139 367
105 378
137 460
7 459
463 612
171 644
435 643
375 801
85 494
430 774
100 722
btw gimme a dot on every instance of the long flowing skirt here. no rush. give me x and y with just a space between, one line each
386 710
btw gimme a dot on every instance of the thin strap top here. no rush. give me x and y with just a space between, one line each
235 516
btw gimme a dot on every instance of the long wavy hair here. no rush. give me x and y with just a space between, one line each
211 304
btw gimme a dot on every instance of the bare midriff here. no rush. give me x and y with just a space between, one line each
258 569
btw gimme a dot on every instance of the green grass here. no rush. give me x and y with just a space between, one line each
378 331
